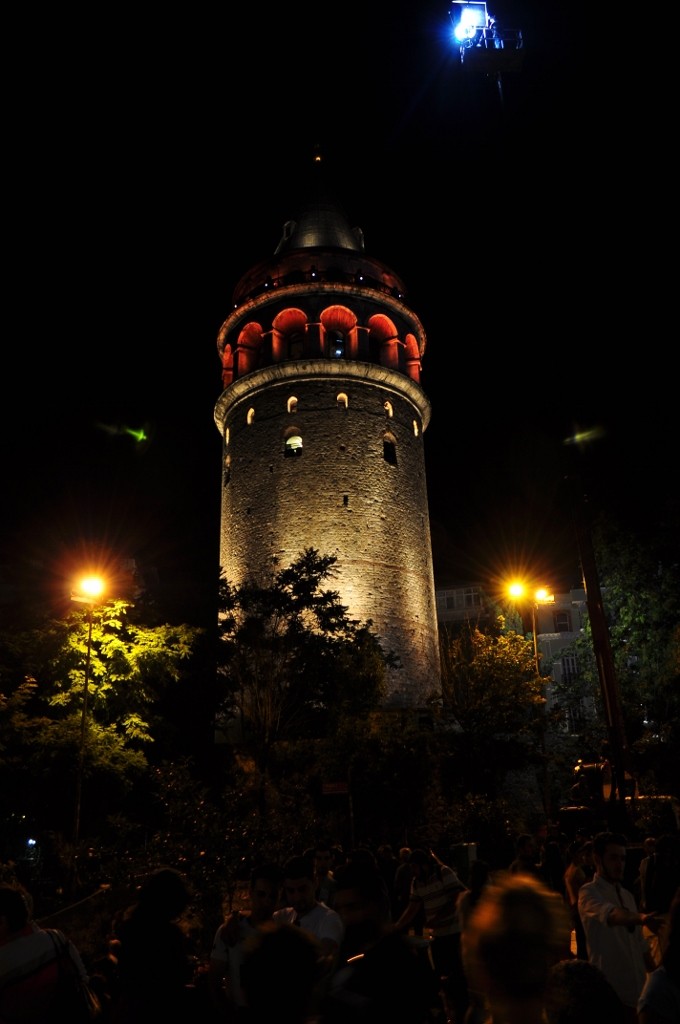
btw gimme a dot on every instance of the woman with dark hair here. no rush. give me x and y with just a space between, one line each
155 966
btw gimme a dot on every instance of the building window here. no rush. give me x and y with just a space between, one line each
416 428
250 418
292 403
569 666
226 436
342 400
293 446
390 451
576 717
461 599
389 410
562 622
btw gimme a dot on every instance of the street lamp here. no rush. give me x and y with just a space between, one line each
89 590
540 596
519 592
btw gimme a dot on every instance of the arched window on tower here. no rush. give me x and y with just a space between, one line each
389 410
296 346
390 449
250 418
227 470
416 429
336 344
342 400
292 403
293 446
289 334
339 335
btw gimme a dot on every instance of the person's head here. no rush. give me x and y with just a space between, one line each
299 884
525 846
15 910
609 854
404 854
360 902
587 858
575 853
649 845
362 855
322 854
164 894
578 992
265 889
421 863
279 973
517 931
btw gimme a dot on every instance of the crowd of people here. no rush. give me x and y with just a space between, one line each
365 937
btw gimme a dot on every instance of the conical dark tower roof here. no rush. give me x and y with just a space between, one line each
321 223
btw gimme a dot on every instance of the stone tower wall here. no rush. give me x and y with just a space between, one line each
341 495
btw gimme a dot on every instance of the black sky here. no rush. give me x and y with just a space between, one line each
155 160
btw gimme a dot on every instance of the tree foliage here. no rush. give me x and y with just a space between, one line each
489 682
641 599
494 704
292 664
42 687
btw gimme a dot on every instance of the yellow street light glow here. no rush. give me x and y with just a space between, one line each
92 586
518 590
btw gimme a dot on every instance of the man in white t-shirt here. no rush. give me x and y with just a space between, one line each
299 887
226 956
613 924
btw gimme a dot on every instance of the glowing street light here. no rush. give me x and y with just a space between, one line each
520 592
89 590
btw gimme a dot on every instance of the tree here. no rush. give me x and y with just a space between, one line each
292 664
641 597
494 703
42 677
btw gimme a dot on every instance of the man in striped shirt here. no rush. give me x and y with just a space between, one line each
435 888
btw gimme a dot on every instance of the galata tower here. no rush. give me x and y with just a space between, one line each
322 419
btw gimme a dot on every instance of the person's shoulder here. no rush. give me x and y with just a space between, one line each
451 877
323 910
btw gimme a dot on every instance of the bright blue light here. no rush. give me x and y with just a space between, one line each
31 842
468 19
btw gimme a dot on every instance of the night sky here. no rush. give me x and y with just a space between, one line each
154 161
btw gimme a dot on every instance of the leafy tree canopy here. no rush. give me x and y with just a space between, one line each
292 664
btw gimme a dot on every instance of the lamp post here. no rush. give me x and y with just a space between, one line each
540 596
90 588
